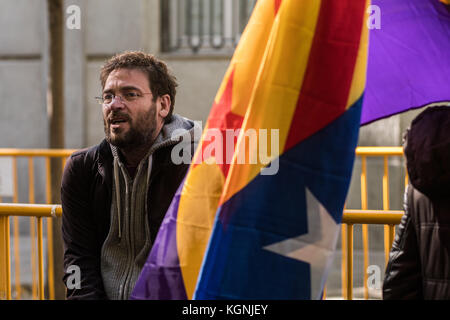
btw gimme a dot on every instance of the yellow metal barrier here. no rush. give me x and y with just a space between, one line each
365 217
350 218
5 262
35 225
23 210
362 216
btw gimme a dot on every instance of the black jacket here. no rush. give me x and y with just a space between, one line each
86 202
419 261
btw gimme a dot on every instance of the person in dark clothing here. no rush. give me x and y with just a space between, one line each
419 261
115 195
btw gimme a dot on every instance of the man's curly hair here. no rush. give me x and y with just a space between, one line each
161 80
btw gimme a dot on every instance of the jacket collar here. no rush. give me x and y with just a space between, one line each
105 160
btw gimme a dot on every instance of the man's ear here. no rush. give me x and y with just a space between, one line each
165 103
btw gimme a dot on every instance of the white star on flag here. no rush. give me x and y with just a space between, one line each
315 247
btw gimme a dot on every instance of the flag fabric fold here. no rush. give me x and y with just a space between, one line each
275 234
258 213
409 57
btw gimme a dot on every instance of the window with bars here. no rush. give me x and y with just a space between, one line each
203 26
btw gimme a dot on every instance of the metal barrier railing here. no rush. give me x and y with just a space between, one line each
361 216
350 218
388 218
31 155
25 210
389 229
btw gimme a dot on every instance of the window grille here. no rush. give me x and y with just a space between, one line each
203 26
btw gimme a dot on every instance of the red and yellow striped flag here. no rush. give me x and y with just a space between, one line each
257 215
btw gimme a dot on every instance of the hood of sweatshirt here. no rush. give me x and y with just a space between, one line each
427 152
178 130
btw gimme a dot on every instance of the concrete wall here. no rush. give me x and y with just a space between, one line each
22 89
199 80
23 112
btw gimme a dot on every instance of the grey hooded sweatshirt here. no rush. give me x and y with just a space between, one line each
128 243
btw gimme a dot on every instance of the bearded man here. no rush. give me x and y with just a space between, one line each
115 194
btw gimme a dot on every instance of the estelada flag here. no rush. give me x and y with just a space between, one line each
258 213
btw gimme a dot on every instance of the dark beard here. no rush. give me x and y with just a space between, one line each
138 135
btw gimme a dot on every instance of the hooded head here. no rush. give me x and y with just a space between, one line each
427 152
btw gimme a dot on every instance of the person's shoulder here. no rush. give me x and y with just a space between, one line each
416 196
86 156
79 154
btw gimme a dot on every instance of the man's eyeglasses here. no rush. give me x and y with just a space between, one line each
108 98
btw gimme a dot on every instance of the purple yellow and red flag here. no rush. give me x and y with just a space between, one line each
258 214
